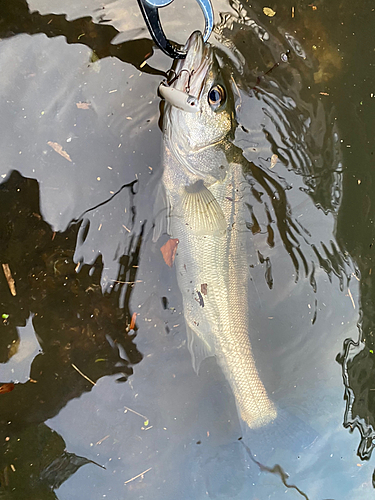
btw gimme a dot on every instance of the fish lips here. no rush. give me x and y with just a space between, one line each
192 70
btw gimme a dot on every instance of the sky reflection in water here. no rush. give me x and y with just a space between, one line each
148 412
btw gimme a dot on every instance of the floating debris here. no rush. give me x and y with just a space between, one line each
83 375
169 250
83 105
132 324
146 422
6 388
58 148
351 297
274 159
200 299
103 439
10 280
268 11
138 475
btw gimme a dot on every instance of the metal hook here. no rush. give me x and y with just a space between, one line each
177 75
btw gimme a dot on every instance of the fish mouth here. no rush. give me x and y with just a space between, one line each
191 72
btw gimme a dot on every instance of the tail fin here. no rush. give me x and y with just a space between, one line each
287 434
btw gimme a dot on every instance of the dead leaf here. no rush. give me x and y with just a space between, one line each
274 159
10 280
6 388
83 105
268 11
132 323
58 148
169 250
204 288
200 299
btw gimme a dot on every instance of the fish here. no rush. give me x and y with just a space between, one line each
204 209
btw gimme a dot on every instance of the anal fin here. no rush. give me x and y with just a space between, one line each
198 347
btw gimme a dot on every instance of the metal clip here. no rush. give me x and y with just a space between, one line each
149 9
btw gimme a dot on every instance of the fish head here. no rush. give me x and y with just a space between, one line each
197 137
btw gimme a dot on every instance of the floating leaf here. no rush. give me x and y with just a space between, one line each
6 388
83 105
268 11
94 57
132 323
274 159
169 250
58 148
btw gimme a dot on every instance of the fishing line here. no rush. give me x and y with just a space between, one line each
284 58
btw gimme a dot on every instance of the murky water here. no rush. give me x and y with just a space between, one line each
99 410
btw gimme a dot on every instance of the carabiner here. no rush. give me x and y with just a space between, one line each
149 9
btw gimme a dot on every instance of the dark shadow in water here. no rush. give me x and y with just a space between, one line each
356 228
16 18
77 326
277 470
347 191
43 450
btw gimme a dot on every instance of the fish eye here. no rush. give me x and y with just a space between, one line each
216 96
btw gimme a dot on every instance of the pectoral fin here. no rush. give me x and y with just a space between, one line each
202 212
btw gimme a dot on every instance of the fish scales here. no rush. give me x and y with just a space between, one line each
207 215
220 262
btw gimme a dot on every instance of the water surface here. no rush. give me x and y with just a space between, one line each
80 162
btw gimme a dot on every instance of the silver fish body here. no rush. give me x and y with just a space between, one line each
206 212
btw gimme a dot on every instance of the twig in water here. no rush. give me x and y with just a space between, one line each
351 297
101 440
83 375
127 282
139 475
10 280
136 413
